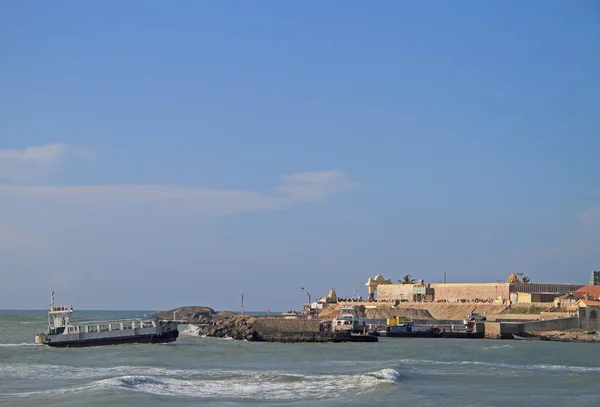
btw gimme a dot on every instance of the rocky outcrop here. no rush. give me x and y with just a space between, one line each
236 327
190 314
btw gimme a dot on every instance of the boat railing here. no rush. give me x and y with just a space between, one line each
106 326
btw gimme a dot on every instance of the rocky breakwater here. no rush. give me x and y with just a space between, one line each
206 322
195 314
237 327
269 329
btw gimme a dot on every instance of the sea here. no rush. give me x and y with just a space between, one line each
199 371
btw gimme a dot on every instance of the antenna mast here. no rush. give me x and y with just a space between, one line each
242 303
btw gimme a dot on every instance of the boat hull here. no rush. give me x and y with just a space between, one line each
164 337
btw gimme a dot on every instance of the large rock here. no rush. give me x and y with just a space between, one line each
236 327
191 314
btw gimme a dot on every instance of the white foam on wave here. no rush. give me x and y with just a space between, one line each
191 330
60 372
242 384
498 347
265 385
11 345
387 374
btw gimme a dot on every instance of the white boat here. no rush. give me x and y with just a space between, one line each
347 320
64 333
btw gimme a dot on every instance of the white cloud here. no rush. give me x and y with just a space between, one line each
20 166
50 153
296 188
37 219
319 184
32 164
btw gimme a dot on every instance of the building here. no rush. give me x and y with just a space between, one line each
589 311
595 280
529 298
567 302
468 292
588 291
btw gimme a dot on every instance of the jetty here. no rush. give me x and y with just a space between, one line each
279 329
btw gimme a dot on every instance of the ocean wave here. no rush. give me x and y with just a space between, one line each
498 347
60 372
10 345
506 366
245 385
191 330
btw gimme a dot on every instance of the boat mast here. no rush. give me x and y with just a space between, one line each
51 308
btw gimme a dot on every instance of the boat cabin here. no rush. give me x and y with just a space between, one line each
347 320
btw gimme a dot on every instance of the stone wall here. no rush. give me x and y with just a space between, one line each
448 292
469 291
560 324
391 292
502 330
269 325
492 329
585 321
482 291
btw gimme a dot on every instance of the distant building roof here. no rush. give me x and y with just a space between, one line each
591 303
567 296
589 290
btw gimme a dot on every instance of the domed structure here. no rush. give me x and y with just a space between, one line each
372 283
332 297
513 279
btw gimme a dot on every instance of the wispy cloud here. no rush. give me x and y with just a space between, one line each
53 219
18 165
295 189
31 164
50 153
319 184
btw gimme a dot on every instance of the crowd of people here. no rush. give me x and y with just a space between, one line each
350 299
475 300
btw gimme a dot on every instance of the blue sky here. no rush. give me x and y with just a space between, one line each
153 155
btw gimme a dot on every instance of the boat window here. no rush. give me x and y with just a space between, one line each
147 324
92 328
127 325
104 327
137 325
115 326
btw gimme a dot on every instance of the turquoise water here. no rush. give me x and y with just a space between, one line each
198 371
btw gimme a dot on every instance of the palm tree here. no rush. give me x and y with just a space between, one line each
525 280
407 279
